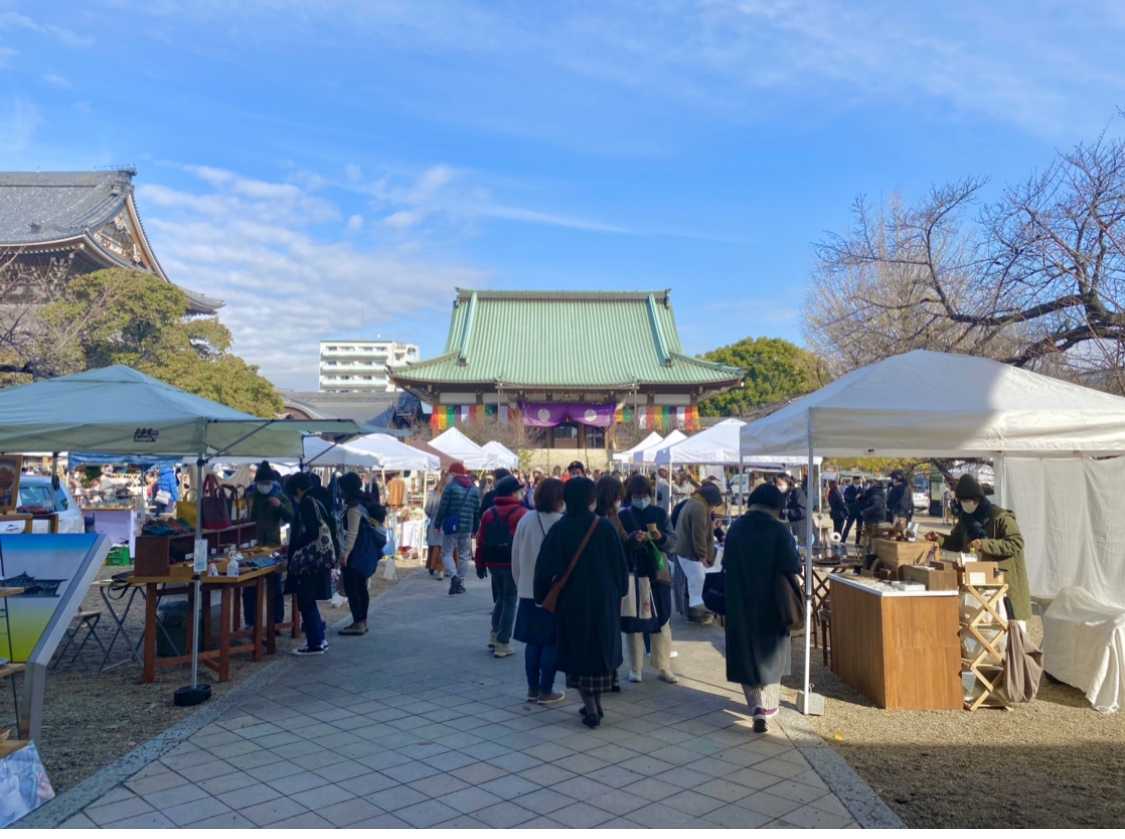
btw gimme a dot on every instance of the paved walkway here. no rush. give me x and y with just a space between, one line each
416 725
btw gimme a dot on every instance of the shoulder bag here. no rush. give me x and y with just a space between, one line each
317 554
551 601
216 514
791 602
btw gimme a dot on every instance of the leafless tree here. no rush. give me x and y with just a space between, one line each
1036 278
30 347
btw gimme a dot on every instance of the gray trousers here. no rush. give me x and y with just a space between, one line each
463 544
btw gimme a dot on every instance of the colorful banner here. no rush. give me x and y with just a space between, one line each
666 417
447 416
549 414
624 414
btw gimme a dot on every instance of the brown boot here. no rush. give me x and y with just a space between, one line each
357 628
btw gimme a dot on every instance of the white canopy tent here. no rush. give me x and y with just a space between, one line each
927 403
455 444
647 454
507 458
396 456
653 439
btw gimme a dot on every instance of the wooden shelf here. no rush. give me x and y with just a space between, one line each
10 669
10 591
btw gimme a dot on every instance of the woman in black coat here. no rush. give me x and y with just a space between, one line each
588 647
759 553
310 584
646 525
837 508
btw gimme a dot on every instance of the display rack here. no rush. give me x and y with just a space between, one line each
987 666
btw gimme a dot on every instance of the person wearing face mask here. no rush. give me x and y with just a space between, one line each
994 534
695 551
796 509
494 554
853 500
269 508
647 526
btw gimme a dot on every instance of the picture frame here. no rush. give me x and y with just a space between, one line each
10 466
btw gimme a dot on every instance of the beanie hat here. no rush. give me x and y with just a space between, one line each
767 495
969 487
458 468
507 486
712 494
264 473
896 475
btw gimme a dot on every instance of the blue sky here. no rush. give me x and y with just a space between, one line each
331 166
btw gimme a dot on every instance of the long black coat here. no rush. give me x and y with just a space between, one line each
589 613
642 562
759 550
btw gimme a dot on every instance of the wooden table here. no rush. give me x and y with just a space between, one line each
263 634
901 649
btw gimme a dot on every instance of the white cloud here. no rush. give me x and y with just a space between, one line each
56 81
355 224
353 173
247 242
18 120
68 37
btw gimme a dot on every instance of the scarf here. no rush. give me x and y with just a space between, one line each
976 523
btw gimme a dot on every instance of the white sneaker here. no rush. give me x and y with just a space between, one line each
634 676
669 677
503 650
673 654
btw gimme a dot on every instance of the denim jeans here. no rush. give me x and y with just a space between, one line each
310 619
505 594
250 601
539 663
463 544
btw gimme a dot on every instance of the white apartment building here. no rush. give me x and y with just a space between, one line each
358 365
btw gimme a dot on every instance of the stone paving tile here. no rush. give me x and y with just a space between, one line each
153 820
183 815
387 738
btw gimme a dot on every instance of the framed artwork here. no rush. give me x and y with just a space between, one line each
10 465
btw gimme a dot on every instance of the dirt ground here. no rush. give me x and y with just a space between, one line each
92 720
1052 763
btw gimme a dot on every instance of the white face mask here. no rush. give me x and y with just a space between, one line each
970 507
264 488
641 503
783 487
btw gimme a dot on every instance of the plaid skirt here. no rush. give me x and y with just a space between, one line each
592 684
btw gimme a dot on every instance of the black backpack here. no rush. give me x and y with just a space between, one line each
497 546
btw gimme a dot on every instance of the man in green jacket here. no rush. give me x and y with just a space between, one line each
269 507
993 533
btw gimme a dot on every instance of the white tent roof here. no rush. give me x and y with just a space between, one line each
508 458
396 456
647 453
318 452
455 444
717 445
943 405
653 439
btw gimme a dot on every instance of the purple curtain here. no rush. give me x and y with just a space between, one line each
549 414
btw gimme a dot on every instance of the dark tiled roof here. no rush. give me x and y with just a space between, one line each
378 409
38 208
44 206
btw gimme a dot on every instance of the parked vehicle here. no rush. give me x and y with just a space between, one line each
35 491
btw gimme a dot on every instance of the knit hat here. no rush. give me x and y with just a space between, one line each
458 468
968 487
507 485
767 495
896 475
264 473
712 494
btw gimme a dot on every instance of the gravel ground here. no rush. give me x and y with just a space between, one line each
1052 763
90 721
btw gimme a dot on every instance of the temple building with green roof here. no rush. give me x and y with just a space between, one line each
574 364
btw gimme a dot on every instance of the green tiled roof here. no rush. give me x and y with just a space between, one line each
543 339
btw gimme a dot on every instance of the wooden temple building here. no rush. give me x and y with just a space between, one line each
576 365
78 222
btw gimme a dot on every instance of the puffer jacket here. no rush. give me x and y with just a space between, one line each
462 500
507 508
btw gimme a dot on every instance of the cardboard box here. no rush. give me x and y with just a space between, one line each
981 574
932 577
908 553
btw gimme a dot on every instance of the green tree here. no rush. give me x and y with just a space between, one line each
127 317
775 370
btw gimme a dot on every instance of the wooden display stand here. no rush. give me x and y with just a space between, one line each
901 649
988 665
156 553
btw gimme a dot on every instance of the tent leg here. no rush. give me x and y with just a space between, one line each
808 583
741 486
198 598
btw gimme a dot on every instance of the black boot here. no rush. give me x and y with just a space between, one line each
455 586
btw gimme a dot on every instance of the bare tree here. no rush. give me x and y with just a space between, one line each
1035 279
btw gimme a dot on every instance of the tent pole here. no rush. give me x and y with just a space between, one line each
195 582
741 481
808 578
